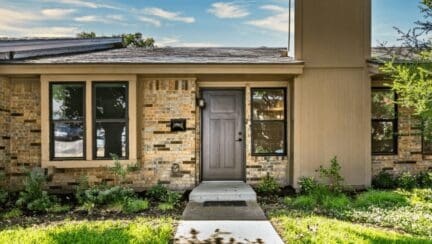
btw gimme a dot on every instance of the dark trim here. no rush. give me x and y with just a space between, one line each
94 121
394 121
52 122
285 153
244 163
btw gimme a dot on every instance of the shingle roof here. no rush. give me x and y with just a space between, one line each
169 55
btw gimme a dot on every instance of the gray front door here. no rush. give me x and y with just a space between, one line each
223 135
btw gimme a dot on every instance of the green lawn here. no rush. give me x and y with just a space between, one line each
301 227
140 230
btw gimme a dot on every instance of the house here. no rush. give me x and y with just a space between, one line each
187 115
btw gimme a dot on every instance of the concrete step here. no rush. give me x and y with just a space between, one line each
222 191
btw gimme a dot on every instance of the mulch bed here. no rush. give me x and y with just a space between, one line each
33 219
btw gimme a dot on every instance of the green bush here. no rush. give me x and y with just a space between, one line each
384 180
407 181
307 185
103 195
14 213
134 205
268 186
58 208
157 192
333 175
335 202
3 196
424 179
165 206
34 198
306 202
171 197
382 199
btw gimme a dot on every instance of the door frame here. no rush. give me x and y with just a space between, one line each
243 121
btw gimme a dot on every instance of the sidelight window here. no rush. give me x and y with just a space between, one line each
268 121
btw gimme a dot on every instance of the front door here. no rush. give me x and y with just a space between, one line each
223 135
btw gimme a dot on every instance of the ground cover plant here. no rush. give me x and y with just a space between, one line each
328 212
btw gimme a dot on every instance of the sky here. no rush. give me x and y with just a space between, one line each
248 23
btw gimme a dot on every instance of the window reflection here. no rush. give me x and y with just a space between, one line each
115 143
68 140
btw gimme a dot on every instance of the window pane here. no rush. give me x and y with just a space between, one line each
68 140
268 104
268 137
383 106
111 101
67 101
110 139
382 137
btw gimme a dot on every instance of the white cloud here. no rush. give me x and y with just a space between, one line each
51 31
101 19
152 21
83 3
174 42
172 16
276 22
56 13
228 10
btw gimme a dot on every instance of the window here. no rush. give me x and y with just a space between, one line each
268 122
110 113
384 121
67 117
426 139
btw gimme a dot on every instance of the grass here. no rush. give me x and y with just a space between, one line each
301 227
383 199
140 230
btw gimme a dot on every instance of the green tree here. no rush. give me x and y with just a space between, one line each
86 35
411 69
137 40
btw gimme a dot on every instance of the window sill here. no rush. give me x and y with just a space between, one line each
79 164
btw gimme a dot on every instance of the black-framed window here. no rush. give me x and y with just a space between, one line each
67 120
110 120
268 121
384 121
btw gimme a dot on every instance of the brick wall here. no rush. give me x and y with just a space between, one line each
169 157
4 125
409 157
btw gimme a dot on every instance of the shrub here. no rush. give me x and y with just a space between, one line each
335 202
33 197
120 172
384 180
307 202
135 205
58 208
307 185
407 181
268 185
171 197
424 179
383 199
333 175
3 196
14 213
157 192
103 195
165 206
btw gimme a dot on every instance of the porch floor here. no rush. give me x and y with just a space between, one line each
222 191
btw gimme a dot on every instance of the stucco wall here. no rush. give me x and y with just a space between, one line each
332 96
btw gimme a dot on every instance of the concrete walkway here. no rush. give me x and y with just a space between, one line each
224 212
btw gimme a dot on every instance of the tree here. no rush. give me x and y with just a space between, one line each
86 35
136 40
411 69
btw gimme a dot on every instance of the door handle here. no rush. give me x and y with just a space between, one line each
239 139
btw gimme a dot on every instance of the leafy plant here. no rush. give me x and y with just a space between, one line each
382 199
58 208
333 175
14 213
120 172
157 192
34 198
307 185
165 206
3 193
424 179
335 202
406 181
135 205
86 35
384 180
268 185
306 202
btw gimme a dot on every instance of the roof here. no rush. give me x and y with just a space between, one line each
168 55
31 48
382 54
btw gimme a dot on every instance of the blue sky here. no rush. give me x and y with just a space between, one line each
181 22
